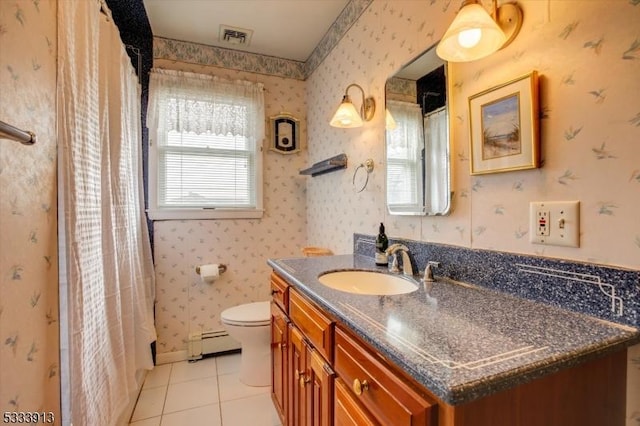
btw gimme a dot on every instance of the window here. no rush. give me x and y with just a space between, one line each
205 157
405 149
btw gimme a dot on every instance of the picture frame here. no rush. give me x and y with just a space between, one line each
504 124
284 133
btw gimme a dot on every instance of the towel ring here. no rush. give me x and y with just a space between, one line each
368 167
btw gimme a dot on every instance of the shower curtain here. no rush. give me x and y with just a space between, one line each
436 139
107 294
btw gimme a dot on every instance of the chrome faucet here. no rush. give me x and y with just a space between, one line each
393 249
428 271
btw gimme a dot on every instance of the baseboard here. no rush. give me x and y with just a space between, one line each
169 357
202 344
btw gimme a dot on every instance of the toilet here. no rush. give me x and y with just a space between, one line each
249 324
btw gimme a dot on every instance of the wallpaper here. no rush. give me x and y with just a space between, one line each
194 53
184 303
588 57
29 346
348 16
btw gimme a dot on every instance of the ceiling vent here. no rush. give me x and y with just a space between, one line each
234 35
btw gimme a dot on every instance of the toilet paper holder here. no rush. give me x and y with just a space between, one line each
222 268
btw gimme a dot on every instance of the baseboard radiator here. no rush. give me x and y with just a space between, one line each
209 342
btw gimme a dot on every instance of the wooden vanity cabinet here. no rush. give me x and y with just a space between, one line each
304 385
324 374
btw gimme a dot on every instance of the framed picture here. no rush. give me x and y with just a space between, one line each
285 133
504 124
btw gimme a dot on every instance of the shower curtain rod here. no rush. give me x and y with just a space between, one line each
25 137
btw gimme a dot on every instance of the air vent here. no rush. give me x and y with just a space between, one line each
234 35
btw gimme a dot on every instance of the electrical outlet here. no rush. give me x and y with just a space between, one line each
542 223
555 223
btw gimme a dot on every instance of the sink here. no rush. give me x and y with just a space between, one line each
367 282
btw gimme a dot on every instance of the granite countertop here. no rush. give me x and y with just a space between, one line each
460 341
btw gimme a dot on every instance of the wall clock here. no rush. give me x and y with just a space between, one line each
285 133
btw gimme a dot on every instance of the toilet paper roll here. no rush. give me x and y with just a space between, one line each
209 273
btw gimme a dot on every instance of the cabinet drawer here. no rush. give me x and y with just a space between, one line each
347 410
388 396
314 324
280 292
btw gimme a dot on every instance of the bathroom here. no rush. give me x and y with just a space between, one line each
586 53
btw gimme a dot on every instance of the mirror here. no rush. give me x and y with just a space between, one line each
417 138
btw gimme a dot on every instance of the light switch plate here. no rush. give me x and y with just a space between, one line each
555 223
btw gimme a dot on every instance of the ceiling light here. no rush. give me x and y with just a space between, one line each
347 117
474 33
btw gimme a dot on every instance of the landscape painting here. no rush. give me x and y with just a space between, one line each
501 128
504 124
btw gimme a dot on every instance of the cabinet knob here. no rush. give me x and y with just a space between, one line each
359 387
282 345
303 380
274 292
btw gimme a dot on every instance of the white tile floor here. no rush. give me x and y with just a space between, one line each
207 392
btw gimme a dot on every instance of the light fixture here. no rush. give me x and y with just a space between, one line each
347 117
474 33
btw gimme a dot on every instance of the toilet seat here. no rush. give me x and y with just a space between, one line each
255 314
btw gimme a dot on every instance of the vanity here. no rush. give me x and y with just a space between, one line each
451 355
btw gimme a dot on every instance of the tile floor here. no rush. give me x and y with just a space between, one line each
207 392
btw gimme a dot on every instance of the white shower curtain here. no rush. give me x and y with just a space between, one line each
436 132
109 273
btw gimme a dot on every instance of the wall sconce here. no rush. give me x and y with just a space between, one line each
347 117
474 33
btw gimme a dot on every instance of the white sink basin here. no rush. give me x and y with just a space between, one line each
367 282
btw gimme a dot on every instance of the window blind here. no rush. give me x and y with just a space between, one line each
206 171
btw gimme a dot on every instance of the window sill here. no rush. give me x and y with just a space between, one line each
196 214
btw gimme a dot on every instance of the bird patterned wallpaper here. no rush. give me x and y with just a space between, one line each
184 303
29 328
588 56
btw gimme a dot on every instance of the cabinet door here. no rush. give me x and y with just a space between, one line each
298 378
348 411
279 361
320 404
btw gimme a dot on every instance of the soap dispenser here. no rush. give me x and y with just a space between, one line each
381 247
